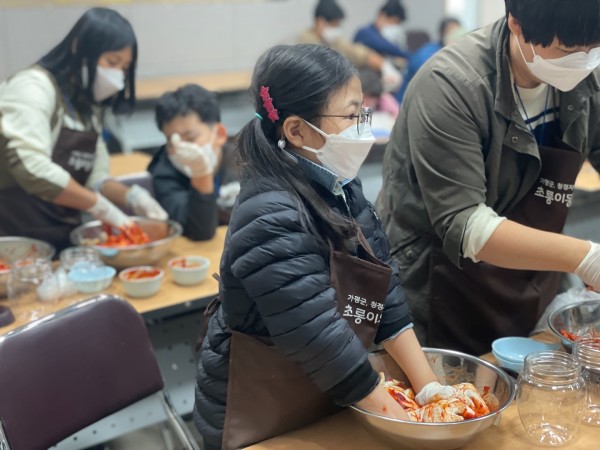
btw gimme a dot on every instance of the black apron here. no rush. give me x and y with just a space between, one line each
268 394
470 308
24 214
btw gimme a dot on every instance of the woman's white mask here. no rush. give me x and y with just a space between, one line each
107 83
563 73
344 153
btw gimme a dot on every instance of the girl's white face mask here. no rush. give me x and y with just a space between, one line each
107 83
563 73
344 153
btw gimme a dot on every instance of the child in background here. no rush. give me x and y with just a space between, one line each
374 97
194 173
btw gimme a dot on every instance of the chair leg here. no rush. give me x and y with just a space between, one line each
167 437
181 430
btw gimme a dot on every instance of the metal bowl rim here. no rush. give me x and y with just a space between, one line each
25 238
176 226
509 381
562 309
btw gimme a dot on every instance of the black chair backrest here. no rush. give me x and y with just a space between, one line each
69 370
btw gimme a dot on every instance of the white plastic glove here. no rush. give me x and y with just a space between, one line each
143 204
105 211
391 77
191 159
589 269
228 193
433 392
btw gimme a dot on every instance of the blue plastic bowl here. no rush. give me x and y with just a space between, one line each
91 278
512 365
515 349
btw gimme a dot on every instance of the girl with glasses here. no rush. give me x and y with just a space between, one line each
307 285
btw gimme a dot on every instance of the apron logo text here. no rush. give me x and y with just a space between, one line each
81 160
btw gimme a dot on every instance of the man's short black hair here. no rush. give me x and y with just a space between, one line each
329 10
190 98
393 8
573 22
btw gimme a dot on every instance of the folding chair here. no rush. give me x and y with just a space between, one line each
70 369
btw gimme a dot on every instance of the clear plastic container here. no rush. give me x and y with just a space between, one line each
587 351
72 255
550 397
30 285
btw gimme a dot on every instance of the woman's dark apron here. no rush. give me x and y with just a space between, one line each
267 393
472 307
24 214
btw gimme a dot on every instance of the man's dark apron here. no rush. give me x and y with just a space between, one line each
472 307
24 214
267 393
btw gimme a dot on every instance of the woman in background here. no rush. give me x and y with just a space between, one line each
53 164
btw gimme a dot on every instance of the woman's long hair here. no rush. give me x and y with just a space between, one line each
98 31
301 80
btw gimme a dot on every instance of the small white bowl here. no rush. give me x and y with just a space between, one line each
141 287
91 278
189 270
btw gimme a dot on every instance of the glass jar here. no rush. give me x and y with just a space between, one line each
29 285
72 255
550 397
587 352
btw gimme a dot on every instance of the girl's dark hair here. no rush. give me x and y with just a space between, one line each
573 22
98 31
301 80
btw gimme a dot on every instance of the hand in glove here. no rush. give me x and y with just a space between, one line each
391 77
191 159
105 211
143 204
589 269
434 392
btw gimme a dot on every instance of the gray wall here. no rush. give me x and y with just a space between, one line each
192 37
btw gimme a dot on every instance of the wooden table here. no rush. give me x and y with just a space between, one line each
126 164
588 179
170 294
152 88
342 432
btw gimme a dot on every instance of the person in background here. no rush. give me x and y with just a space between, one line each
450 30
307 285
194 174
386 35
480 170
327 30
374 96
53 165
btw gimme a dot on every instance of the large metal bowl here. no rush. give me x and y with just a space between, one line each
578 318
451 368
161 234
13 248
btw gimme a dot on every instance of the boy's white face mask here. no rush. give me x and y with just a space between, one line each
344 153
563 73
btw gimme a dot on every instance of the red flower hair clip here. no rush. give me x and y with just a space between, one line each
272 112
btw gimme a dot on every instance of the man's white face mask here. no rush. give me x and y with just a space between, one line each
563 73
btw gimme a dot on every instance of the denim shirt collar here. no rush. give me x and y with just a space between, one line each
320 174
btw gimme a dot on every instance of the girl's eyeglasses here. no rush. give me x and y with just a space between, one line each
364 116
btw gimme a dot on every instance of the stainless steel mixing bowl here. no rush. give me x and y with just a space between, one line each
161 234
13 248
579 318
451 368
